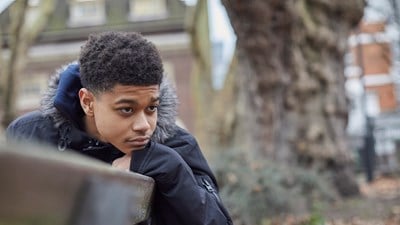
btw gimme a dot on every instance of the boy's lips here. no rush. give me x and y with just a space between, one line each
138 142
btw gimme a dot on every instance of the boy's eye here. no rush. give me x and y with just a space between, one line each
126 110
153 108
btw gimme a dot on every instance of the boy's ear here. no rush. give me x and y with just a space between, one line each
86 99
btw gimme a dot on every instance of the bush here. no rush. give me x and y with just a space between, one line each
256 191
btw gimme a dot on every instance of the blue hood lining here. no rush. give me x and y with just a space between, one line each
66 99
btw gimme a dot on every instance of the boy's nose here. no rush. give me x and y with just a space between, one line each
141 123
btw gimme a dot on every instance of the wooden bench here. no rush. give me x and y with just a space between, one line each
42 186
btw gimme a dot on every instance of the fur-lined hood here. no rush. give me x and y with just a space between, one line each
63 84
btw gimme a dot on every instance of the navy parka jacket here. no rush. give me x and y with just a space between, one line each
186 190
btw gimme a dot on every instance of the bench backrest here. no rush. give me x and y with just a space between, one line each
39 185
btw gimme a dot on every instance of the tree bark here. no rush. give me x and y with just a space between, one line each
17 14
290 100
22 34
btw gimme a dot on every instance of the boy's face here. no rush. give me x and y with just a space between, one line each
126 117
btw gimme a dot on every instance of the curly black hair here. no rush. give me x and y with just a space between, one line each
126 58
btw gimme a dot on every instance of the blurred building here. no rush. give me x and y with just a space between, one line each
372 91
161 21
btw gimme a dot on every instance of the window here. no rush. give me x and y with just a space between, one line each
372 104
147 9
86 13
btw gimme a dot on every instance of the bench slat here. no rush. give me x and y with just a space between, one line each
44 186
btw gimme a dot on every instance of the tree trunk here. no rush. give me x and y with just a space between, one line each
291 104
22 35
17 14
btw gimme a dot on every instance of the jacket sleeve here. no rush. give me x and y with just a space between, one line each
187 147
32 128
179 199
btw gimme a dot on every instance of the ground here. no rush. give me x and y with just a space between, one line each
379 204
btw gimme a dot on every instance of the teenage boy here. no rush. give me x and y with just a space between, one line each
115 105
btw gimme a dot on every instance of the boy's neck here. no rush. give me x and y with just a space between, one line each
89 126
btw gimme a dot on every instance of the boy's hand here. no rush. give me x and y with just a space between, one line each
122 163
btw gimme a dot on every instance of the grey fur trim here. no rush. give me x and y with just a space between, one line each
167 110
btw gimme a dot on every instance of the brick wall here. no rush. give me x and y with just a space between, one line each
375 63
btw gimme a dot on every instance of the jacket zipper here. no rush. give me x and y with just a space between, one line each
211 190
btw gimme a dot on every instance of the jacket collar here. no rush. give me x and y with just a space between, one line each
61 102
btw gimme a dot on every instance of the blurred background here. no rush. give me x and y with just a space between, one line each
294 103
